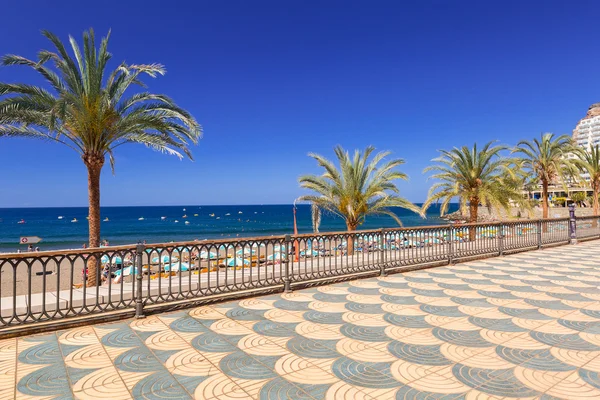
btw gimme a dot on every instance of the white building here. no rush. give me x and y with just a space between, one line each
587 132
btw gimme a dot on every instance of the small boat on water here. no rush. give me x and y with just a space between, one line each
187 222
184 209
195 215
74 220
163 218
21 221
140 218
176 221
185 216
218 217
239 212
106 219
212 215
60 217
227 214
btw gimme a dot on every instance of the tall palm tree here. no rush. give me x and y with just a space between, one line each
84 107
547 159
589 163
474 176
361 186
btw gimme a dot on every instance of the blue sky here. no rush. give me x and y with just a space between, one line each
271 81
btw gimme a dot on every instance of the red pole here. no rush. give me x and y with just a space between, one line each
296 249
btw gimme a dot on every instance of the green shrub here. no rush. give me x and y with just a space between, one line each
579 197
560 201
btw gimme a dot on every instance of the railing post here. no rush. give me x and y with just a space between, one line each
539 233
286 279
500 234
450 246
382 271
572 224
137 269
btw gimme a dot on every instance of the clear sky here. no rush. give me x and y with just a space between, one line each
272 80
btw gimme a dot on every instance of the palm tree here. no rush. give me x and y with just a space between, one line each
474 176
589 163
84 108
361 186
547 159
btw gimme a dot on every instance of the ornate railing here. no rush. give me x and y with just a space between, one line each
46 286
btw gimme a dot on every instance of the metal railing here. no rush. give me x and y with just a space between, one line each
46 286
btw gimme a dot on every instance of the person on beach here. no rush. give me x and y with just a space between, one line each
84 246
30 248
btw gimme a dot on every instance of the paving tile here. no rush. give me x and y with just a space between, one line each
520 326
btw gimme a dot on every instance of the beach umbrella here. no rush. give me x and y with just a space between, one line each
309 253
276 256
164 259
177 266
236 262
115 259
126 271
279 247
245 252
208 255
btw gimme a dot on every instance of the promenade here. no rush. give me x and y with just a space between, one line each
520 326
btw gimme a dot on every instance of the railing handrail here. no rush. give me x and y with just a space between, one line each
160 275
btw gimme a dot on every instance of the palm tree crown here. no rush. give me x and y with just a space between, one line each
86 108
548 159
473 176
361 186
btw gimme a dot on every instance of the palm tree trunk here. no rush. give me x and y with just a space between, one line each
351 228
544 204
595 187
94 165
473 211
544 199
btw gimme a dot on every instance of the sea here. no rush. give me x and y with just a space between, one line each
128 225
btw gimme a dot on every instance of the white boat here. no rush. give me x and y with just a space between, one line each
140 218
184 209
74 220
212 215
239 212
106 219
60 217
163 218
187 222
227 214
176 221
218 217
185 216
195 215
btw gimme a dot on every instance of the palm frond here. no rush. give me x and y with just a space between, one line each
362 184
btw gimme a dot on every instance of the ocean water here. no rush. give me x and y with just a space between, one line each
124 226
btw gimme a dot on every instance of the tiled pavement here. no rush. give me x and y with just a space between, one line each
521 326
